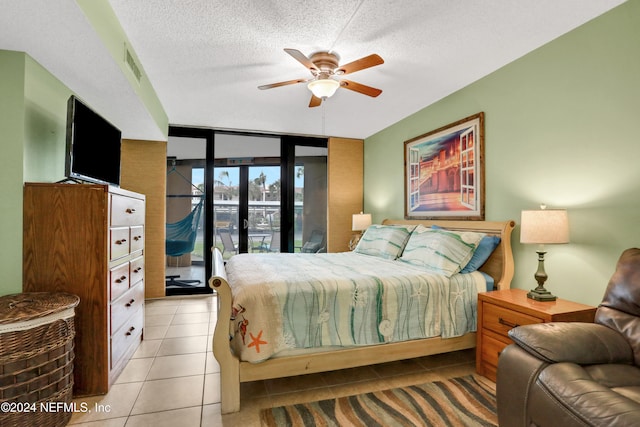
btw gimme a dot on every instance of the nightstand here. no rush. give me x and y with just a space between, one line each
499 311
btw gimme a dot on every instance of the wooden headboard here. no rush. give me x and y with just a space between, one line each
500 265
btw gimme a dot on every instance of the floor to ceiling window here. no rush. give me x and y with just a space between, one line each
185 236
310 199
259 193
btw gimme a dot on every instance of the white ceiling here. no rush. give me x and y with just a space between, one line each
206 58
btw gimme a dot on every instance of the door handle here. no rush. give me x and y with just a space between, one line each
246 224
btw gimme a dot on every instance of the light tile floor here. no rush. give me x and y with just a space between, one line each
173 378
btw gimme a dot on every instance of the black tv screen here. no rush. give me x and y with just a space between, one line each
93 146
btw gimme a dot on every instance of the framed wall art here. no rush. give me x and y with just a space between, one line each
444 172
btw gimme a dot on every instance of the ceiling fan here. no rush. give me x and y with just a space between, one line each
324 66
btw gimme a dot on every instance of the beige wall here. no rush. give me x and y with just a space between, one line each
345 192
143 170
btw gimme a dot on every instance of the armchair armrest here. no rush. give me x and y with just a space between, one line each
581 343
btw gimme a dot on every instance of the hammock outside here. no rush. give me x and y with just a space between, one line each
181 235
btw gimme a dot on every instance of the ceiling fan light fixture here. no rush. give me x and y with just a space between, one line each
323 88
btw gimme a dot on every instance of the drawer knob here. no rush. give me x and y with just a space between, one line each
121 279
121 241
131 329
130 303
137 270
507 323
136 238
130 210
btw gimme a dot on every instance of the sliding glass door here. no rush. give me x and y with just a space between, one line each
247 193
264 210
247 208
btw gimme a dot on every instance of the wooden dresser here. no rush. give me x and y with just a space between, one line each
500 311
88 240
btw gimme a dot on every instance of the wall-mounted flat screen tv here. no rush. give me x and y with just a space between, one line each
93 146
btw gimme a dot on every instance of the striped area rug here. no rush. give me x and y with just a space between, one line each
463 401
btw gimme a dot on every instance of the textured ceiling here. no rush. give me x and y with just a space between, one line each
58 36
206 58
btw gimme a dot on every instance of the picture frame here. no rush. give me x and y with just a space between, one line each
444 172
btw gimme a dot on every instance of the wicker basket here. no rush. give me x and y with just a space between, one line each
36 358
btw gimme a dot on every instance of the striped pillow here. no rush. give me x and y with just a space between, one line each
385 241
440 251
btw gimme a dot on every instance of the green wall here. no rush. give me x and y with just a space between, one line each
45 130
12 76
33 122
33 108
561 129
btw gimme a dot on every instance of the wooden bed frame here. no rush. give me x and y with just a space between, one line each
234 371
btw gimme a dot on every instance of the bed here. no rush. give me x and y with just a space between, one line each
267 338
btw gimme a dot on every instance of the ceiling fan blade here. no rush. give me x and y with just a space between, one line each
288 82
360 88
302 58
360 64
315 101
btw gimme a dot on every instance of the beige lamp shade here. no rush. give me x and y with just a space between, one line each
361 221
544 226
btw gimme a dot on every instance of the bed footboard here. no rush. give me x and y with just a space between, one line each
233 371
229 364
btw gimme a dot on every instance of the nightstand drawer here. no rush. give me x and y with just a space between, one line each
502 310
491 349
501 320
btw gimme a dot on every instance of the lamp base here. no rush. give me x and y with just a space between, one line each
541 295
355 238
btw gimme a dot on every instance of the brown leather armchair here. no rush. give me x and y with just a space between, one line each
578 374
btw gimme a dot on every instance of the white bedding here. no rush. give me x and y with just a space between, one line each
285 302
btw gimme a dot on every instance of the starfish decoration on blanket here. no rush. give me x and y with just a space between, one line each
256 341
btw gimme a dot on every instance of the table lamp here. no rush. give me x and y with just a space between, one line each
543 227
359 223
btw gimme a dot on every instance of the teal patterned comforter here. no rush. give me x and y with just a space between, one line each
301 301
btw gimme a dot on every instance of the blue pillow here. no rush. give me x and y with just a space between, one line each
485 248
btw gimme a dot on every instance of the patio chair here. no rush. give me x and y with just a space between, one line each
227 242
314 244
274 244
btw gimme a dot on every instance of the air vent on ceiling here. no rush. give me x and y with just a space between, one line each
131 62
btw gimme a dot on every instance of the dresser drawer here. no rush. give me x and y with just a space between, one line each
126 210
125 306
126 336
118 242
137 238
501 320
118 280
136 270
